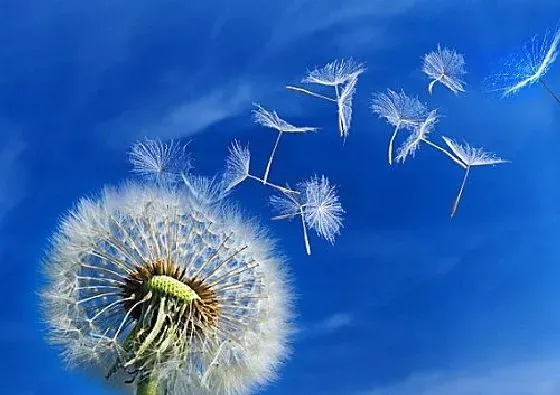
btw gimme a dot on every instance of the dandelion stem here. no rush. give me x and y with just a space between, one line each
295 88
305 238
265 178
431 84
453 157
147 386
550 91
275 186
390 153
458 198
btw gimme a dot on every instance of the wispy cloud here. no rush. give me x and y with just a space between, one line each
184 119
530 378
328 325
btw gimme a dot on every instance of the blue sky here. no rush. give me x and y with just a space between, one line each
407 301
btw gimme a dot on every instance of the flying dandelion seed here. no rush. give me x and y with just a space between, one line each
527 66
400 111
335 73
270 119
470 156
342 75
420 135
445 66
344 104
158 161
318 206
237 169
150 286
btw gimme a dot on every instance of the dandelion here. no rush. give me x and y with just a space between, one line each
420 135
270 119
400 111
470 156
527 66
318 206
445 66
238 166
342 75
158 291
158 161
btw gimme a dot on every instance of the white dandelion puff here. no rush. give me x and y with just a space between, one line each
159 161
527 66
342 75
270 119
318 206
445 66
147 286
470 156
400 111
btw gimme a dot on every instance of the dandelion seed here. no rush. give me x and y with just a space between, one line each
400 111
419 134
318 206
237 169
470 156
237 165
158 161
342 75
345 107
148 286
527 66
270 119
335 73
445 66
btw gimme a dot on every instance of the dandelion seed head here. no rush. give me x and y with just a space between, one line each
446 66
147 282
472 156
336 72
526 66
158 161
399 109
409 147
270 119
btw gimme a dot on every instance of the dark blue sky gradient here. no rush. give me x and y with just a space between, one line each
407 301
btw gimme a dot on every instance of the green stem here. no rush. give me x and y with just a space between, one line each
147 386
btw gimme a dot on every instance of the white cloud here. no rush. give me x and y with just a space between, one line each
184 119
530 378
328 325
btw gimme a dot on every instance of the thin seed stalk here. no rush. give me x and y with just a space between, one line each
394 135
305 238
458 198
297 89
550 91
441 149
269 164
